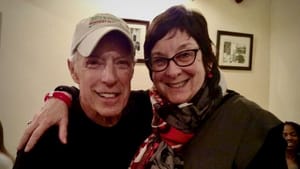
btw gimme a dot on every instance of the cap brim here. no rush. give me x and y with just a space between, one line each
87 45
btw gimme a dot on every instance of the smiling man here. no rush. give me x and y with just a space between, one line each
102 64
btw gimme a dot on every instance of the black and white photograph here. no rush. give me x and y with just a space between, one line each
234 50
138 30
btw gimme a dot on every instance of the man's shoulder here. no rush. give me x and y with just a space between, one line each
140 97
139 101
139 94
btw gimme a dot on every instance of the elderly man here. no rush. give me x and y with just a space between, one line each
102 65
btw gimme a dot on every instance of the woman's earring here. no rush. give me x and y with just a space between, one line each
209 75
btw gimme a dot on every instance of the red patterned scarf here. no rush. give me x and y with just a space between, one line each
173 126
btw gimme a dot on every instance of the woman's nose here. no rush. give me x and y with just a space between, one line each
173 70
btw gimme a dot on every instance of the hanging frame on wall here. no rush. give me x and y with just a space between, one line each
138 30
234 50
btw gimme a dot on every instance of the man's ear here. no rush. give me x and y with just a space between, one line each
73 72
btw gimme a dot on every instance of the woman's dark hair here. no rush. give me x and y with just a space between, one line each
194 23
295 125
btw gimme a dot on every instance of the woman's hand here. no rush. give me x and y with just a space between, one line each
54 112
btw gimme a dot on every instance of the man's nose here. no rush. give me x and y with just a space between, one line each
109 74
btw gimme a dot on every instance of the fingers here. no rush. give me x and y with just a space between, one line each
63 130
33 132
38 132
23 140
54 112
27 134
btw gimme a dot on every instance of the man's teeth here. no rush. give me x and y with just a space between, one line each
108 95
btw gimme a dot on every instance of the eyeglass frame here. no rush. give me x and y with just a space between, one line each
148 60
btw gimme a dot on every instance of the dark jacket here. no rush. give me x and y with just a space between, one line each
238 135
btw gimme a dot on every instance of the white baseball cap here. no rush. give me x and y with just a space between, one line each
90 31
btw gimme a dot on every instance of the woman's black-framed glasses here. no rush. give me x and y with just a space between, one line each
182 59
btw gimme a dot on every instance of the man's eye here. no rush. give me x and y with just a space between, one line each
123 64
93 63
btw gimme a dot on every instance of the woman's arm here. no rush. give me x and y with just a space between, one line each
53 112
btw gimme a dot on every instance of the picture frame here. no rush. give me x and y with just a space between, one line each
234 50
138 30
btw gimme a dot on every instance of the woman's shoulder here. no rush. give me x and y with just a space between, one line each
238 105
237 100
241 103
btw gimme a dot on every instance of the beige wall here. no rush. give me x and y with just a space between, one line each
285 58
36 35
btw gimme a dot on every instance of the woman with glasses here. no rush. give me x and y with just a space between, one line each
197 122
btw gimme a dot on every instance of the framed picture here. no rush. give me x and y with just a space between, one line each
234 50
138 30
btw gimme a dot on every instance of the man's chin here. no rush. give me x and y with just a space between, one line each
109 120
110 111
